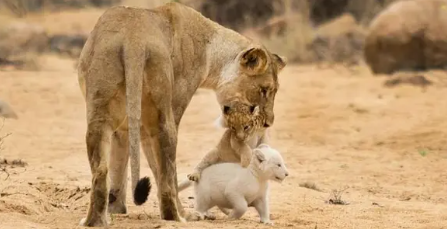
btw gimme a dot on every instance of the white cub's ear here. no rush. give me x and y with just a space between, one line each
220 123
263 145
259 155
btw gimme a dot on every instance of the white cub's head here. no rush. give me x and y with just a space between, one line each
269 163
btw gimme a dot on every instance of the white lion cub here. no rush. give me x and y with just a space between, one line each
230 186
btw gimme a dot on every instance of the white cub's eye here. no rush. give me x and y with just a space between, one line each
279 165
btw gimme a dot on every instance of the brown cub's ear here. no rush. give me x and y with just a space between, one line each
280 61
226 109
254 110
254 61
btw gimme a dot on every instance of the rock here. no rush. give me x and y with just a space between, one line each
6 111
415 40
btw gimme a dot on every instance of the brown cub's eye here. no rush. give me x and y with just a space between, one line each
264 91
233 129
246 127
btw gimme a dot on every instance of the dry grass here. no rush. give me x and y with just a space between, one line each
310 185
2 137
297 36
336 197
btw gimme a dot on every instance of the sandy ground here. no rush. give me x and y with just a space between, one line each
339 129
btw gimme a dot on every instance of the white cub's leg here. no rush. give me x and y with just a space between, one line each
224 210
262 207
239 205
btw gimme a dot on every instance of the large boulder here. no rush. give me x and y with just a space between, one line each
408 35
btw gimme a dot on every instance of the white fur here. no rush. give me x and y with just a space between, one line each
230 186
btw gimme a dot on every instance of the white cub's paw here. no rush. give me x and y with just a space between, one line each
82 222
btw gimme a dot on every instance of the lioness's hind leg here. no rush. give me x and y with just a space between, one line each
119 157
158 102
98 144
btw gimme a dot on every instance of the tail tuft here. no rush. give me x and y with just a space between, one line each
142 191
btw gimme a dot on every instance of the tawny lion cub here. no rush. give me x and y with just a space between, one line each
245 131
230 186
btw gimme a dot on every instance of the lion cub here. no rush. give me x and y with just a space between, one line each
245 131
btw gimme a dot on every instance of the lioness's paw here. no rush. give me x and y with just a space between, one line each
194 176
98 223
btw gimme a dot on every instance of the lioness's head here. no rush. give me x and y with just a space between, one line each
269 163
242 119
252 76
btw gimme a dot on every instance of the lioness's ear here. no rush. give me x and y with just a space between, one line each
259 155
254 110
280 61
226 109
254 61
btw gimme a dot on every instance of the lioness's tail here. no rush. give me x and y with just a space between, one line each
134 62
184 185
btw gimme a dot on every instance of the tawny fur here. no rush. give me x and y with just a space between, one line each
245 131
138 71
230 186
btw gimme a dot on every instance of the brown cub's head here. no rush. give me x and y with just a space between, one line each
242 119
252 77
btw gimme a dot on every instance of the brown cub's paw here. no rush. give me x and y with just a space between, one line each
194 176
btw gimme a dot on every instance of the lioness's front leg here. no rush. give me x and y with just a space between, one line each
210 158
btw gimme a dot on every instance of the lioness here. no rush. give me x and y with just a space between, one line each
138 71
230 186
245 131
